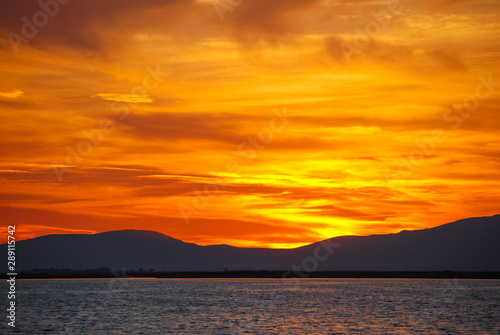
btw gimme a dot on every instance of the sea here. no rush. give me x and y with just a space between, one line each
255 306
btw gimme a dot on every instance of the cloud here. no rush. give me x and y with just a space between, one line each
202 230
336 211
93 26
269 21
201 126
413 57
447 5
131 98
11 95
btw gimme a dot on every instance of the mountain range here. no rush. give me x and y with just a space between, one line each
471 244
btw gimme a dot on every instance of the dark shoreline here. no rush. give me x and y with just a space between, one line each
68 274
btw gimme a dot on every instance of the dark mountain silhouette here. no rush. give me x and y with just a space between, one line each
466 245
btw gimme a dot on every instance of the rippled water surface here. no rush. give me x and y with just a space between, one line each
257 306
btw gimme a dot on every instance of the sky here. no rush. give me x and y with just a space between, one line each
253 123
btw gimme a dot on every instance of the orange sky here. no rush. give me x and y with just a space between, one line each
252 122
